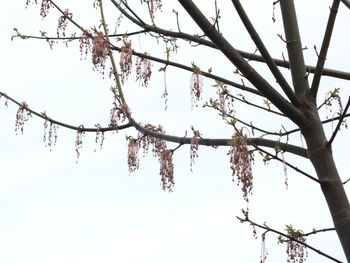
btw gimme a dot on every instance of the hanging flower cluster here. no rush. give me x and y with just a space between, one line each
296 252
157 145
62 23
133 158
143 70
167 169
79 140
196 85
119 115
194 148
22 116
125 60
241 162
44 7
50 133
85 43
99 138
159 150
154 5
100 51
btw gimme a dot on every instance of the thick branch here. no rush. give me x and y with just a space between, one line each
208 43
265 53
248 71
295 52
324 48
176 139
346 3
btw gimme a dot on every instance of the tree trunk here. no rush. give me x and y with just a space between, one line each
320 154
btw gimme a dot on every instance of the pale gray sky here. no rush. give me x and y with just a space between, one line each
56 210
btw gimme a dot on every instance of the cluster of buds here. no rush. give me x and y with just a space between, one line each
241 162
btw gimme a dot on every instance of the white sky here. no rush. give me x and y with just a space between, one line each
54 210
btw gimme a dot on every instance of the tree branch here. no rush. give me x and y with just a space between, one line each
295 52
208 43
275 157
176 139
324 48
265 53
339 123
265 227
346 3
65 125
249 72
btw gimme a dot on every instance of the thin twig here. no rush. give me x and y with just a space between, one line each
275 157
265 227
339 123
324 48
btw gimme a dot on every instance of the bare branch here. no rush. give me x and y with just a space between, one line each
275 157
339 123
62 124
246 55
324 49
295 52
249 72
265 53
319 231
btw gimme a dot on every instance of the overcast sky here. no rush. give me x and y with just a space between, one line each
55 208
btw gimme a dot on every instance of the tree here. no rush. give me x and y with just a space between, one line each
297 101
